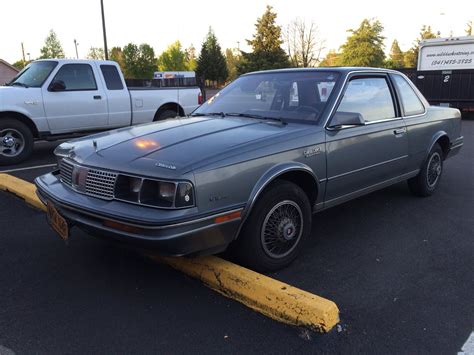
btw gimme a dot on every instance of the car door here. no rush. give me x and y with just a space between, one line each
74 100
363 157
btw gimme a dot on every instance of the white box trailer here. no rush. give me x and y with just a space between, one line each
454 53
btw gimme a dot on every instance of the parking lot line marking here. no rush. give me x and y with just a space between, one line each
28 168
22 189
468 347
268 296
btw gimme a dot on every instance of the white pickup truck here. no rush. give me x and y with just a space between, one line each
53 99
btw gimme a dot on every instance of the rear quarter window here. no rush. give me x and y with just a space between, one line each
111 77
410 101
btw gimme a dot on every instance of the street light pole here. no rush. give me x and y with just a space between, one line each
106 52
76 44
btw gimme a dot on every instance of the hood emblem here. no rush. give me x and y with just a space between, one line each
165 166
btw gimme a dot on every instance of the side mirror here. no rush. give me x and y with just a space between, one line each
57 85
347 119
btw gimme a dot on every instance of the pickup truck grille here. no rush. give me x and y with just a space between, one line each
92 182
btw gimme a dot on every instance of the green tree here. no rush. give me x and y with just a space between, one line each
139 61
20 64
96 53
232 58
173 58
331 59
52 47
364 47
211 64
191 61
116 55
411 56
396 57
266 45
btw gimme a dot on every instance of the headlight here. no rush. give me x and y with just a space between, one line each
154 193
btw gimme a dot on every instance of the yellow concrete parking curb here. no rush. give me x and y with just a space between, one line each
22 189
270 297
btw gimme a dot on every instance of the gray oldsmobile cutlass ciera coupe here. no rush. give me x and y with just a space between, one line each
249 167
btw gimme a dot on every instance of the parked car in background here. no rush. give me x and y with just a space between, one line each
249 168
445 72
53 99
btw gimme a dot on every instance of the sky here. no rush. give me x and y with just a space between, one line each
160 23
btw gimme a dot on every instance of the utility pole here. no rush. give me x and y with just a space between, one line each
76 44
23 52
106 52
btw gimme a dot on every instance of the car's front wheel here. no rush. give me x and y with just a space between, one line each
276 229
427 180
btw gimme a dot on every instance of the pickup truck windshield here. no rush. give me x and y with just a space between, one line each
34 74
283 96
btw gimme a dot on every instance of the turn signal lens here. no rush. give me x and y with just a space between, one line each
228 217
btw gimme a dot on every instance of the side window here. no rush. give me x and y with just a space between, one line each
112 77
77 77
369 97
410 101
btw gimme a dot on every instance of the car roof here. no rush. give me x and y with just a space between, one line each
342 70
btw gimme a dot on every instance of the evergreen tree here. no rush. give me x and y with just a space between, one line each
364 47
469 31
411 56
266 45
211 64
396 58
139 61
52 47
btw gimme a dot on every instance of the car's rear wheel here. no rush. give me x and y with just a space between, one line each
427 180
166 114
16 141
276 229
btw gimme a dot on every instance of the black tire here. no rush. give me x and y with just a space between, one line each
166 114
427 180
16 141
284 209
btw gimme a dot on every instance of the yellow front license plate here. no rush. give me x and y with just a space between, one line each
57 222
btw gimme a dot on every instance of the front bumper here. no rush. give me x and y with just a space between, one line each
169 232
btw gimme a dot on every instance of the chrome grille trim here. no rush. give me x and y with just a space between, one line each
101 184
65 172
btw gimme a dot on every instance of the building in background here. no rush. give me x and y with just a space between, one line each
7 72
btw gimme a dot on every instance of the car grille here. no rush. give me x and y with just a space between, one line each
101 184
65 172
98 183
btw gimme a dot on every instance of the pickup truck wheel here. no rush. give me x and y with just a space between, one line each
276 229
16 142
427 180
166 114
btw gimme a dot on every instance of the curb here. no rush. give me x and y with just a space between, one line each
263 294
22 189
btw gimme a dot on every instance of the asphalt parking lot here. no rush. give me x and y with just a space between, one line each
399 268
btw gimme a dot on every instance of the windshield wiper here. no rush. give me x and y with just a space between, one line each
221 114
259 117
17 83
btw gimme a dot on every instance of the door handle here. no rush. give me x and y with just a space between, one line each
97 97
399 131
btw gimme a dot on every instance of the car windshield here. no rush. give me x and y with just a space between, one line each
274 95
34 74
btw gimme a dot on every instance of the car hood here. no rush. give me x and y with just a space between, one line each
177 146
